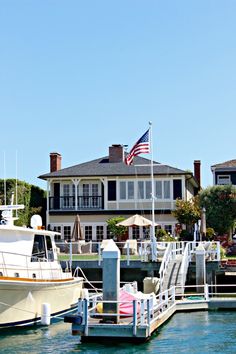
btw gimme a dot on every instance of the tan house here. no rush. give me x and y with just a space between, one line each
106 187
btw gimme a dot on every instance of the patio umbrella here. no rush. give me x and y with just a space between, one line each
137 220
77 233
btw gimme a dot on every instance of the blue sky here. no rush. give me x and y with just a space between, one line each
78 76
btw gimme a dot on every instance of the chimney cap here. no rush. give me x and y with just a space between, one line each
55 153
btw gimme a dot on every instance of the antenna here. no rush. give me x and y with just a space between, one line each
16 184
4 173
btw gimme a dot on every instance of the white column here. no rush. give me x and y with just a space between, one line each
104 181
76 183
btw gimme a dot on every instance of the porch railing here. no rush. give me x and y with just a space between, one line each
69 202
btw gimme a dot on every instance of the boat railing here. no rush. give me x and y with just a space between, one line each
24 266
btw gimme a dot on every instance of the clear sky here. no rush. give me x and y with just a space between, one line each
78 76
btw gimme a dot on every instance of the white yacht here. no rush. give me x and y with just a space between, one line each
32 282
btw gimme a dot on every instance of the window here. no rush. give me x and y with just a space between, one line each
223 179
146 232
90 195
127 190
88 233
99 233
148 193
140 190
66 190
68 195
168 228
162 189
50 255
57 229
166 189
159 189
130 190
144 189
67 233
39 250
94 195
136 233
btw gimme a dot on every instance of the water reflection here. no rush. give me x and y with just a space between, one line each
198 332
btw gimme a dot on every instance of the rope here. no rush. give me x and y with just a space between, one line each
92 286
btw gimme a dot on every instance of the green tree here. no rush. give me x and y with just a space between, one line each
114 230
187 212
31 196
220 204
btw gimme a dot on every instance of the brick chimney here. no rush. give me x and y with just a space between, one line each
116 153
55 161
197 171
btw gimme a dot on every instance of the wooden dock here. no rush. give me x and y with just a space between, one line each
148 314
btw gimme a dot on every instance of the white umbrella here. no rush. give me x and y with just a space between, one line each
136 220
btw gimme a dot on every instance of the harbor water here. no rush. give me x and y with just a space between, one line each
195 332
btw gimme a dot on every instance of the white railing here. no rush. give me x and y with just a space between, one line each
168 256
146 311
212 250
185 264
24 266
138 251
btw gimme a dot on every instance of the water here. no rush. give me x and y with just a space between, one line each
195 332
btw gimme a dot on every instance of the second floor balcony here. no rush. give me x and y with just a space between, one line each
69 203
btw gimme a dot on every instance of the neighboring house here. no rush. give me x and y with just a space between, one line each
224 173
106 187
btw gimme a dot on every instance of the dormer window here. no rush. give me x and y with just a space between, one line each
223 179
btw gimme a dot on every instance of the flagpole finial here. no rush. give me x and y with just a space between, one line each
150 122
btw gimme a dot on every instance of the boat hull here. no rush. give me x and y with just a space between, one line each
21 300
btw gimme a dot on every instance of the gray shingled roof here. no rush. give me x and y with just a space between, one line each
102 167
230 163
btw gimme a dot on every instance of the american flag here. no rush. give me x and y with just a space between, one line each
141 147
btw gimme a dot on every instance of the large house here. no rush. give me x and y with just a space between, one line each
224 173
106 187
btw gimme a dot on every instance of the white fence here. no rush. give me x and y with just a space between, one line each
136 250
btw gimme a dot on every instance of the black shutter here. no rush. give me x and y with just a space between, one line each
177 188
111 190
56 195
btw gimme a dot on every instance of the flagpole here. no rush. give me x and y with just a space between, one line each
153 238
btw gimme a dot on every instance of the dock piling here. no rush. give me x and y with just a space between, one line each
111 281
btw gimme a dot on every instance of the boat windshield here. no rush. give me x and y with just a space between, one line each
42 249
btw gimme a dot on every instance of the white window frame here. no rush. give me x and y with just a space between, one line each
163 181
225 177
145 190
69 188
126 192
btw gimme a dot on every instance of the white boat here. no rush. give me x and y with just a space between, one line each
33 285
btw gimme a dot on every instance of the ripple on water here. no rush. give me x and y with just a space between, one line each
191 332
